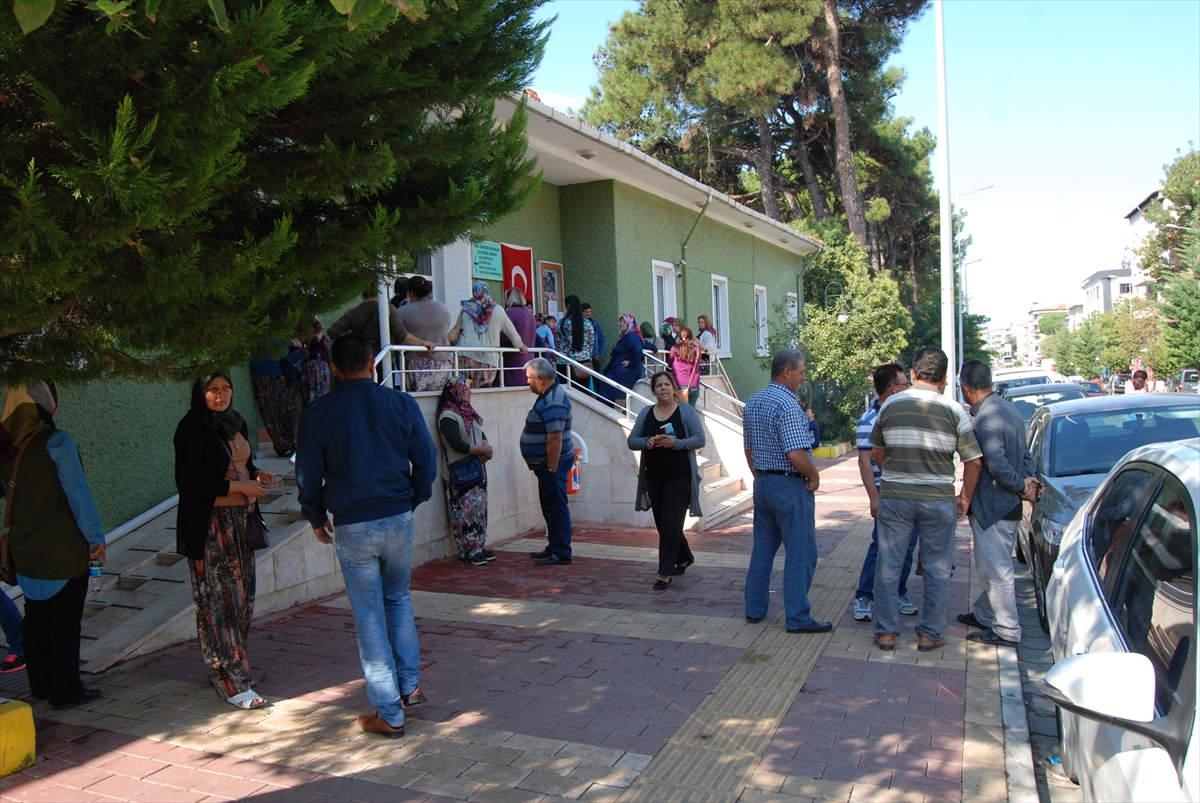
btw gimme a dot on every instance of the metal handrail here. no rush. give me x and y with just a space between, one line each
705 390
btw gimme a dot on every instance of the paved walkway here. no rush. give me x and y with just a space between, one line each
573 683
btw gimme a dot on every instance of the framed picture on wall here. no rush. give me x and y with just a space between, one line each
550 287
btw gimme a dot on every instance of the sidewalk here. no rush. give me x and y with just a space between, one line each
576 682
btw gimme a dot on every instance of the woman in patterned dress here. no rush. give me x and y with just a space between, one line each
460 427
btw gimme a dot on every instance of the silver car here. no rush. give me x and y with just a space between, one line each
1122 608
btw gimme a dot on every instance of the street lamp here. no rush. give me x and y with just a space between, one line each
962 302
843 315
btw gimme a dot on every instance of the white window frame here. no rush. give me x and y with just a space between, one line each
666 304
720 315
793 309
761 314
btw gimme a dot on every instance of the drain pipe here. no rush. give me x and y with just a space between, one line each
681 265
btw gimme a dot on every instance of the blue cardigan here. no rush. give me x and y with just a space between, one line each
628 349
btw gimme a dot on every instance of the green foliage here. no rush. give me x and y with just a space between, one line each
1052 322
170 200
1177 204
1180 308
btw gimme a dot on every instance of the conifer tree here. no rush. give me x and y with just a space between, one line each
171 197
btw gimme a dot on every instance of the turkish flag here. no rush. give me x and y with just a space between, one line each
518 268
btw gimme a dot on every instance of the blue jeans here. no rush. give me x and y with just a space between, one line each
376 557
552 493
784 513
10 623
866 580
936 522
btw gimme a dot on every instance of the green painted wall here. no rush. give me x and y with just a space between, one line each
536 225
589 237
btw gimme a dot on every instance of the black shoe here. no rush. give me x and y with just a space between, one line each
969 619
86 696
488 555
662 585
680 568
815 627
989 637
553 560
545 553
476 558
412 698
753 620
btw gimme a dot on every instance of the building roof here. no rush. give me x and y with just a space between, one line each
1116 273
1143 206
572 152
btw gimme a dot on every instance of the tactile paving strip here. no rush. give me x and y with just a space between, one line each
713 753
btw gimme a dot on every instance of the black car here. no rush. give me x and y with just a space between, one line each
1074 444
1029 398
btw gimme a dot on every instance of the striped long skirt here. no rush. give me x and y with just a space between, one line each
223 591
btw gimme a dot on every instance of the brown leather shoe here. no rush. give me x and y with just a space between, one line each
885 641
373 723
926 644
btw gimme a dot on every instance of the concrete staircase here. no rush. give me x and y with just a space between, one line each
722 498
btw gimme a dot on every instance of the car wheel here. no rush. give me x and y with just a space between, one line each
1039 593
1064 753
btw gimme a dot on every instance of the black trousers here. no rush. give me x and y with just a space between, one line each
51 633
669 500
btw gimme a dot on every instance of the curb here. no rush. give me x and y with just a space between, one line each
832 451
17 741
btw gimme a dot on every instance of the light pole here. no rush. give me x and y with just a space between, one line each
962 303
947 227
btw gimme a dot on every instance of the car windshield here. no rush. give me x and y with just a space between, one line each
1091 387
1009 384
1028 404
1092 443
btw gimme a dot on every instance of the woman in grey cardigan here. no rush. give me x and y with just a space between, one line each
668 482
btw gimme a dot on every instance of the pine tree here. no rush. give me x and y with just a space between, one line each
171 198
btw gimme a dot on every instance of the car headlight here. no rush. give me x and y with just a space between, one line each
1052 532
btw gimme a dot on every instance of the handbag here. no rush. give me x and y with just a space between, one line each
8 569
258 535
466 473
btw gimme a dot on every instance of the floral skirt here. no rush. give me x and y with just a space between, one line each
426 372
278 401
315 383
223 591
468 517
479 374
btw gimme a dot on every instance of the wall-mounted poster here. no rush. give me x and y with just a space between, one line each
488 263
551 287
518 269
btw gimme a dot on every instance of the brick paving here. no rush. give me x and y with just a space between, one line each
567 683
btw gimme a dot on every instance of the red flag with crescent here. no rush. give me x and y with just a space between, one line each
518 268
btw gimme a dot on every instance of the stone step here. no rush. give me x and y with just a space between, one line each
726 511
710 470
719 490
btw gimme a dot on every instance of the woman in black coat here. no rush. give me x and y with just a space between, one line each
213 470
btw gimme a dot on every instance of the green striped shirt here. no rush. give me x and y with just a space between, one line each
920 430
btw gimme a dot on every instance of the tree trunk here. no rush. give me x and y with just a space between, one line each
873 239
820 208
763 161
789 195
912 268
855 214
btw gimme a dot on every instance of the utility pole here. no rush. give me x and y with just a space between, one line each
946 212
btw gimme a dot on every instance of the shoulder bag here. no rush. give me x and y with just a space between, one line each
8 569
466 473
258 536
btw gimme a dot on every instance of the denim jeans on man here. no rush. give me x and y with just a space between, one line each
936 522
552 493
866 579
376 558
784 513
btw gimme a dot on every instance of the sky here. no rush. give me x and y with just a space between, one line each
1070 108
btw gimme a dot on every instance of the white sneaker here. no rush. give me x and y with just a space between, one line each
906 607
862 609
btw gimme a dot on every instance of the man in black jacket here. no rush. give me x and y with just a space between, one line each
366 456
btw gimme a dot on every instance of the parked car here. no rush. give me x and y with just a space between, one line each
1029 398
1189 380
1092 389
1002 384
1122 608
1116 383
1074 445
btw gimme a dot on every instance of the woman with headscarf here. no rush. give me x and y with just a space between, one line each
54 530
526 326
218 484
650 341
668 434
318 367
685 365
480 322
708 343
576 338
625 364
460 426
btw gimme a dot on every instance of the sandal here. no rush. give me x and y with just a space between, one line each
662 585
247 700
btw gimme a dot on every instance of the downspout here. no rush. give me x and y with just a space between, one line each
681 265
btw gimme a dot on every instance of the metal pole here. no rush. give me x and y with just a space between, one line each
681 266
946 212
385 329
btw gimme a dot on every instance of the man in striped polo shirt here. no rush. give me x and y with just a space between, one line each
914 441
549 452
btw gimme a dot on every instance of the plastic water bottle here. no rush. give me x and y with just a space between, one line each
95 576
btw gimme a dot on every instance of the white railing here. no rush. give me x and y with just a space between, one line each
712 399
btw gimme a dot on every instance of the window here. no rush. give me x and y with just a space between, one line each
760 320
1112 519
1152 602
664 291
793 318
1125 289
720 314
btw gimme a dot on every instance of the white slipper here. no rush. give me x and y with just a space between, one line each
246 700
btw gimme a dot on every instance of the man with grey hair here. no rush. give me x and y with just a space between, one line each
778 450
1006 478
549 452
